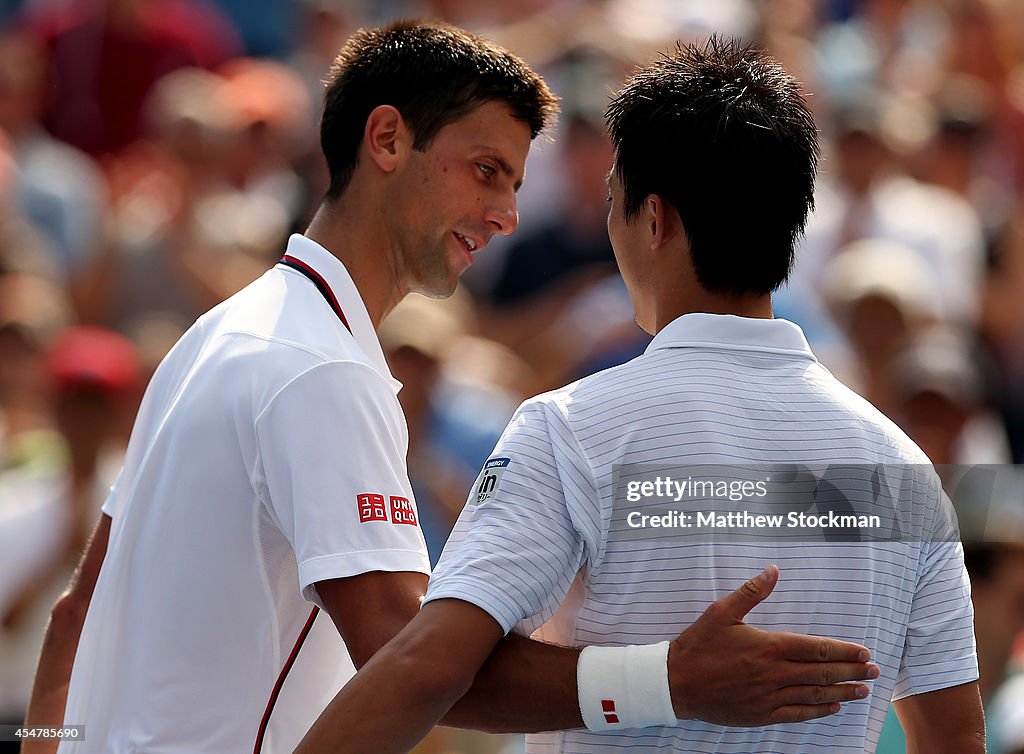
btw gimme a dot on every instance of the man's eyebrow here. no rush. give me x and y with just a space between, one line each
507 170
492 154
608 177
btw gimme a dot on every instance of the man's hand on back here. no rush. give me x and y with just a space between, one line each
723 671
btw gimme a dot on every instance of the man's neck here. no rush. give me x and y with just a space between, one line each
355 235
754 306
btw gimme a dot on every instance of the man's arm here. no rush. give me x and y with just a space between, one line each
60 643
948 721
720 670
369 609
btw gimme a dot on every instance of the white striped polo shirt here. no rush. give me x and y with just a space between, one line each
710 389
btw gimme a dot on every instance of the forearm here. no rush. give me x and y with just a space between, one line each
53 674
525 686
60 642
947 721
390 704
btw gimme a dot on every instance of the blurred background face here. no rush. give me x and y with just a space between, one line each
877 327
862 158
588 152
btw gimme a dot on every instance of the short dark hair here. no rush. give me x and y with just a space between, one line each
721 132
434 74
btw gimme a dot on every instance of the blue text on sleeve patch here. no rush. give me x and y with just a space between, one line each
490 477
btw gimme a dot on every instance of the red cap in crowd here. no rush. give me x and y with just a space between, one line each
94 358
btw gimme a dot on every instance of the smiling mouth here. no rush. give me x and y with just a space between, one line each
469 243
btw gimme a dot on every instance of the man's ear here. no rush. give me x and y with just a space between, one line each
661 219
386 137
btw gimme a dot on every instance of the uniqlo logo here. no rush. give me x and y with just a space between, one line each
371 508
608 707
402 511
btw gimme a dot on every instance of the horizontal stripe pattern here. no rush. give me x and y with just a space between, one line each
517 553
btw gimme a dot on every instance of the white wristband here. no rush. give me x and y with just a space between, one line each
625 687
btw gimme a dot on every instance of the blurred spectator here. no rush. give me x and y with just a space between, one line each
788 28
881 296
894 45
864 193
979 45
271 112
22 247
1003 314
455 408
941 401
32 312
577 240
325 25
61 190
997 590
46 516
197 208
961 154
548 270
106 56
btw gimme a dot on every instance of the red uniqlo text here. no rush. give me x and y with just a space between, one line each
402 511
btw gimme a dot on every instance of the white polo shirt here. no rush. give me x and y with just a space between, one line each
536 536
268 454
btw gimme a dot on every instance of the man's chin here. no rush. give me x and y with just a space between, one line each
438 289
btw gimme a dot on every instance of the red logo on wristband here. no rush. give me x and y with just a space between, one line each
608 707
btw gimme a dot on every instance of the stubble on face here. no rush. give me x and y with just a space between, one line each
454 196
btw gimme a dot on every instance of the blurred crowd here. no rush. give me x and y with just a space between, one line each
155 155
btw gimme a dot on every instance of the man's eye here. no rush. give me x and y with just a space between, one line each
487 170
608 198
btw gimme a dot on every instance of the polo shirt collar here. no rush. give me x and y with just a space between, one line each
731 333
333 271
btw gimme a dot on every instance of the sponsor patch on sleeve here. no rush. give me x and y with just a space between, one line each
490 477
402 511
371 508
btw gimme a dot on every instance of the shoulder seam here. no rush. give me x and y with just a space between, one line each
282 342
304 372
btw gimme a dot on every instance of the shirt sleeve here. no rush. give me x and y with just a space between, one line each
518 545
332 446
110 501
940 650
